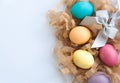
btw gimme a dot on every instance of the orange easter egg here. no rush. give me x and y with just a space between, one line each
80 35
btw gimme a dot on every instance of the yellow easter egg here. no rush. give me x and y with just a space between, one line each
83 59
80 35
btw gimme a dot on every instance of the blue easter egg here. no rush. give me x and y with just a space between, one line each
82 9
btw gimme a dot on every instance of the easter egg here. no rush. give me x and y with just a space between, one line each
83 59
80 35
99 78
82 9
108 55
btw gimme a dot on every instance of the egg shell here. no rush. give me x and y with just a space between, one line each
83 59
82 9
80 35
99 78
109 55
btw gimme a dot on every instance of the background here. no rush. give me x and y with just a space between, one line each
26 42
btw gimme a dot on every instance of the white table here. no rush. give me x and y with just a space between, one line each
26 42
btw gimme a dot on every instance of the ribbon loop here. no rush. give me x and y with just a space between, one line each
111 32
103 14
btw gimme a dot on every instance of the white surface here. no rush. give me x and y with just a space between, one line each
26 42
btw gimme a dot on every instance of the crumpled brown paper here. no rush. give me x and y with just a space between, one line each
63 22
103 5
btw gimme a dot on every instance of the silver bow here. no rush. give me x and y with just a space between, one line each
109 30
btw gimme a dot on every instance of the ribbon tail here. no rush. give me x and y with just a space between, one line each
88 21
100 40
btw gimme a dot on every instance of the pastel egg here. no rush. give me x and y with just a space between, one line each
99 78
82 9
83 59
109 55
80 35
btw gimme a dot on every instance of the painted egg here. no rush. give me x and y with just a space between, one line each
80 35
109 55
99 78
82 9
83 59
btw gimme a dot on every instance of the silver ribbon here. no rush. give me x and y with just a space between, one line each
109 30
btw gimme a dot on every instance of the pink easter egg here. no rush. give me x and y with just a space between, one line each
109 55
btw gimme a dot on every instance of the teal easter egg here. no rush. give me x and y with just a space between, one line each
82 9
